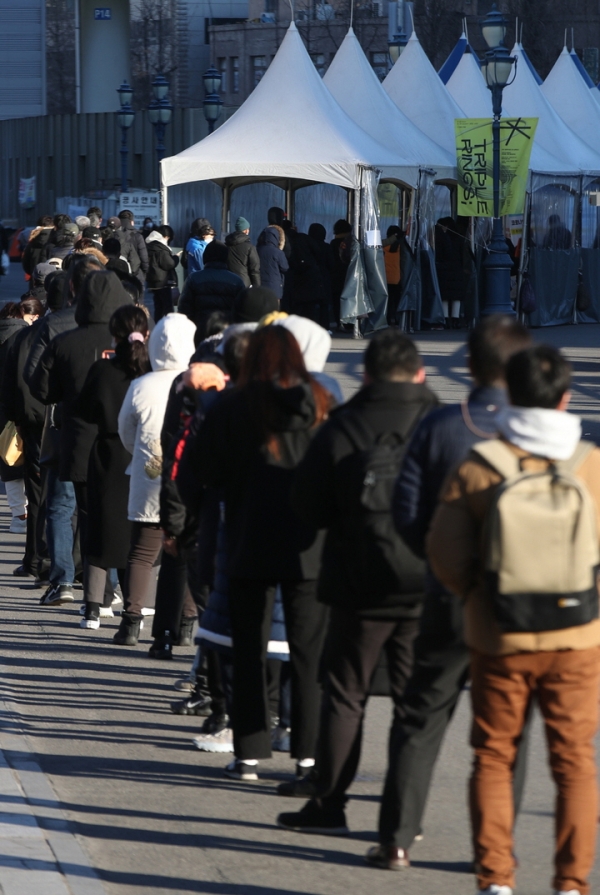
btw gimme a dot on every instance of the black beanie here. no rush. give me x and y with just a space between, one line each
215 251
254 303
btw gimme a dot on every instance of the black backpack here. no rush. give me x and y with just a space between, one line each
383 563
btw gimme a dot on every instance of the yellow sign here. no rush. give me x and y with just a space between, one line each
474 157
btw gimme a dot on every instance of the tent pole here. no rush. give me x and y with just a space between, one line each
225 209
165 206
289 201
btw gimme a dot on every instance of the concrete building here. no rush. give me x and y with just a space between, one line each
22 58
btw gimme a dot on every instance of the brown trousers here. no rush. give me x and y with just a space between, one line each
566 684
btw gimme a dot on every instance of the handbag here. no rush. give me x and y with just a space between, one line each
11 445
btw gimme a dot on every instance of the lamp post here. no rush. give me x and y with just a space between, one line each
497 69
212 101
160 111
396 45
125 117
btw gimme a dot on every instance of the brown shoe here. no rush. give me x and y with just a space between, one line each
387 857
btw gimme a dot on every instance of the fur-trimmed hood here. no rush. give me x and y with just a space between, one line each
280 233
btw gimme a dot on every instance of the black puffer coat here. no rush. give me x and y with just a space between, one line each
64 365
243 258
266 538
15 395
366 566
36 249
161 262
273 262
213 289
49 327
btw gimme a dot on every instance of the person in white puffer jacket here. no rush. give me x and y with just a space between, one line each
170 348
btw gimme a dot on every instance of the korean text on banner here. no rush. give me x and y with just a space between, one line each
474 155
27 192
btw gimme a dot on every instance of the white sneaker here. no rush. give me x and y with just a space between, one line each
496 890
92 624
105 611
18 526
148 611
215 742
570 892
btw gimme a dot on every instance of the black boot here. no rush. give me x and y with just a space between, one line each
162 648
186 630
129 629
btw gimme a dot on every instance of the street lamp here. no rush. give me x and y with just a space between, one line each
160 111
212 101
125 117
396 45
497 70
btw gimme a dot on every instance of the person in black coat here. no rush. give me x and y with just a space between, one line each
161 270
273 261
21 407
242 258
36 249
249 445
213 289
449 267
373 583
303 292
136 239
61 373
322 252
339 265
99 403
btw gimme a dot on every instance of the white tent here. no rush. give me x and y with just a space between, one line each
566 90
524 98
416 88
467 87
353 83
289 129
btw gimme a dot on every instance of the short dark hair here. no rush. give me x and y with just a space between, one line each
112 246
79 271
93 209
234 352
215 251
31 305
317 231
126 215
491 343
60 220
165 231
538 377
342 226
199 226
391 355
46 220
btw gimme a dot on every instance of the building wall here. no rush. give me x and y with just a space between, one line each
22 58
77 155
244 51
103 54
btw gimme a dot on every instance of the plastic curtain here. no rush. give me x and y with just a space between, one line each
554 277
372 250
431 310
554 210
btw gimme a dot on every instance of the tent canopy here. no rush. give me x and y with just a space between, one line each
415 87
524 98
469 90
461 46
566 90
290 128
353 83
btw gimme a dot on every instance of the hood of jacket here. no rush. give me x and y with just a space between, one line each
9 326
314 341
236 238
293 409
101 295
171 343
274 236
155 236
553 434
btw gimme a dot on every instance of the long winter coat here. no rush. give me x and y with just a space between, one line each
50 326
267 539
109 530
273 263
243 258
141 417
15 395
36 248
64 365
9 328
160 262
213 289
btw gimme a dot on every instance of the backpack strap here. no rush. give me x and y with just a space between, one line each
499 456
362 437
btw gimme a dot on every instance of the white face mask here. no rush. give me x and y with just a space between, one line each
208 238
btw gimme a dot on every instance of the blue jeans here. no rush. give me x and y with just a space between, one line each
59 528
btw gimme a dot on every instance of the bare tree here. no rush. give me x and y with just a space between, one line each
438 25
153 47
60 57
541 28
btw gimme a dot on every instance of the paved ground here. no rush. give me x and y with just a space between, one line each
101 792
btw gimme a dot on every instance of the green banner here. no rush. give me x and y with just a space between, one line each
475 164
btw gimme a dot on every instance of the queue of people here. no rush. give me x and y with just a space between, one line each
204 470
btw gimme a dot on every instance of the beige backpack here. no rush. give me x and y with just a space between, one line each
541 552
